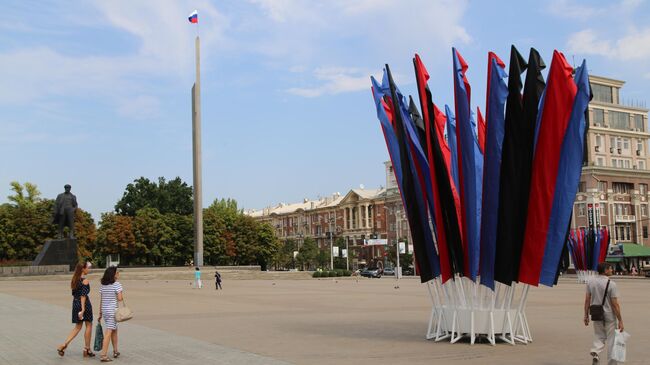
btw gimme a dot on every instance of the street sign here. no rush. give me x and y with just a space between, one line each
344 253
335 251
402 247
375 242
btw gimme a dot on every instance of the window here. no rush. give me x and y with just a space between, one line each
643 189
581 209
602 186
600 161
582 187
641 165
622 188
639 147
619 120
602 93
645 231
638 122
626 143
627 164
644 210
612 142
598 140
599 117
627 231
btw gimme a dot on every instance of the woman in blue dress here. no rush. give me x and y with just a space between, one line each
82 309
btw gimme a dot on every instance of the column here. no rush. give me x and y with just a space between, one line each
345 218
358 216
367 209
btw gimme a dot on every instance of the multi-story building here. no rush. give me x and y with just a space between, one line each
613 188
359 215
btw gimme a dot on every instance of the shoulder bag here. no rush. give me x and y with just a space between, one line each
598 311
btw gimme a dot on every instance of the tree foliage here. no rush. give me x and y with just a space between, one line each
173 196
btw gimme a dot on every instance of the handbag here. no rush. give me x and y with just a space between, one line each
99 337
123 313
598 311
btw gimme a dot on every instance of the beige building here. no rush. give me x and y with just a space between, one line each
354 217
613 189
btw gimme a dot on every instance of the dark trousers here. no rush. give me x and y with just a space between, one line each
217 285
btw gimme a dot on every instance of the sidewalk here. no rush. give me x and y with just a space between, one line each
31 331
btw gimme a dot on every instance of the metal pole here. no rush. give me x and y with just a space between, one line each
331 245
196 158
397 275
347 253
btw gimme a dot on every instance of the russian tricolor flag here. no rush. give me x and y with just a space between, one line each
194 17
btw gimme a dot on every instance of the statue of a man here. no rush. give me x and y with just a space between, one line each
64 208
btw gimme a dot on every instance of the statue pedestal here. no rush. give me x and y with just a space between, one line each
58 252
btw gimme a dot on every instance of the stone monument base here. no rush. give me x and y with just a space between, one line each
58 252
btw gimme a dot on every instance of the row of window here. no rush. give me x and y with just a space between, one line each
620 143
617 187
619 209
621 163
618 120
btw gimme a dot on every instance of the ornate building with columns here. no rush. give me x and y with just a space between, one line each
354 217
613 188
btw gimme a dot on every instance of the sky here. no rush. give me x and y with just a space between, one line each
97 93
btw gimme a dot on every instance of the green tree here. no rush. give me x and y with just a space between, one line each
19 198
115 236
268 245
283 257
307 253
174 196
86 233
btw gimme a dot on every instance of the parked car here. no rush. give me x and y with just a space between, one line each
371 272
389 271
408 271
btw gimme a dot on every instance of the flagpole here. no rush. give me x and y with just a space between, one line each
196 160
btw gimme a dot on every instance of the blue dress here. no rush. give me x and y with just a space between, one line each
81 291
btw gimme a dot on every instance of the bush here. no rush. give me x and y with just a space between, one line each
339 273
331 274
348 273
317 274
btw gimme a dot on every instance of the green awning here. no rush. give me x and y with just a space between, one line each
634 250
614 260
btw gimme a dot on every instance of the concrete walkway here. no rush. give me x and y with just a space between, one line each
30 331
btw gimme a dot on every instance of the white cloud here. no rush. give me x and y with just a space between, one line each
633 46
335 80
573 10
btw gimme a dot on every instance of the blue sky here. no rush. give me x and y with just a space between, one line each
97 93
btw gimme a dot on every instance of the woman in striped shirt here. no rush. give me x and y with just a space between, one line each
110 294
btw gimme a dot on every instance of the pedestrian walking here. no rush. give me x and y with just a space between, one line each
110 295
217 280
601 302
82 309
197 278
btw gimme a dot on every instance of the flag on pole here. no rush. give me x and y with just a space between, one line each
566 185
447 231
470 163
509 225
194 17
555 114
497 92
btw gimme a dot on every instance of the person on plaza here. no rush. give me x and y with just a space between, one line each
601 291
634 272
110 294
197 278
82 309
217 280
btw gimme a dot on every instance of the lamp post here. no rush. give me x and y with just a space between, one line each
331 243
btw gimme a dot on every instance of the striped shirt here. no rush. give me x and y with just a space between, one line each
109 297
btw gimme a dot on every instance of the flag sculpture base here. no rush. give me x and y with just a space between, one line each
463 309
585 275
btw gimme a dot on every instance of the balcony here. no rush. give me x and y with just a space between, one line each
625 218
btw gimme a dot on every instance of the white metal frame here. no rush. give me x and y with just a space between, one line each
463 308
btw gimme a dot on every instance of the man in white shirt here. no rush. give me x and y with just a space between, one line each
597 289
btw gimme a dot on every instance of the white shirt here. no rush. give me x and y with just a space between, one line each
596 287
109 296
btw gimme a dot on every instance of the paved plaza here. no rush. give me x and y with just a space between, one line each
308 321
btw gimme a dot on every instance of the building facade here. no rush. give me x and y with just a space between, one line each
613 188
359 215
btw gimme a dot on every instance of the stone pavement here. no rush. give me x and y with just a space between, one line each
30 332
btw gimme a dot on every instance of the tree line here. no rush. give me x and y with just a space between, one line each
152 224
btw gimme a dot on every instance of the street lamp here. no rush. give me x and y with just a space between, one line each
331 220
